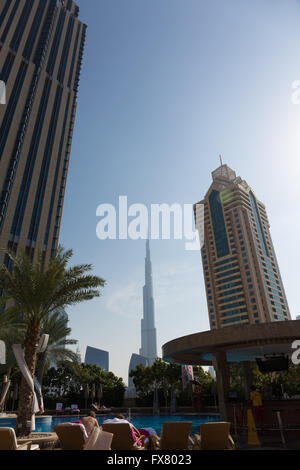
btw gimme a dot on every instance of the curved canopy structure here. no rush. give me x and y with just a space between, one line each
241 343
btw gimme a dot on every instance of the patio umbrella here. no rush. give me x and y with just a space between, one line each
15 395
2 352
173 401
155 402
214 392
93 392
166 393
99 393
86 394
5 388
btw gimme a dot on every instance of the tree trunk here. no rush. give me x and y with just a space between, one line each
25 400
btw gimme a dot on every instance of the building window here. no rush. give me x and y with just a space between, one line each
219 228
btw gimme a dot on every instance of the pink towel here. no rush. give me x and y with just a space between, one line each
134 437
144 432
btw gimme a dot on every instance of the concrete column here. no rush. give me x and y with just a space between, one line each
222 376
247 378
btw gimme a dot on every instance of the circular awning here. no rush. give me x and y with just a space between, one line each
241 343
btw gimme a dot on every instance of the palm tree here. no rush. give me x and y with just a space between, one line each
11 331
38 291
10 323
56 326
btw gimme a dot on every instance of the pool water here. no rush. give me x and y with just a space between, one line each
155 422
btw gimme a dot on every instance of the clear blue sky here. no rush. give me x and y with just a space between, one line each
166 86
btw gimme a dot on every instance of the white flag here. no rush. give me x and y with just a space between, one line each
187 375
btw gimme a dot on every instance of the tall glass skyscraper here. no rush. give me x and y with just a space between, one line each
41 49
148 351
148 330
241 273
97 357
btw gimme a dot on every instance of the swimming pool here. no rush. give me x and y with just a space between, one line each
145 421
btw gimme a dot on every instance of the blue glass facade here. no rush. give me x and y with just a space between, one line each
28 48
4 11
58 166
30 163
18 34
40 62
217 216
10 21
39 198
97 357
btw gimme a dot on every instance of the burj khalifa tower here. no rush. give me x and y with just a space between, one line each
148 330
148 351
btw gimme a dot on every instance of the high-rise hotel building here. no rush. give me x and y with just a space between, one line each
41 49
241 273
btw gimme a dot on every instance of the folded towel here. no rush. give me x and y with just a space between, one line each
99 440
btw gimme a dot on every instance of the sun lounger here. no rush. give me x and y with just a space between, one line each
123 439
59 408
75 409
174 436
8 441
214 436
71 436
100 410
104 410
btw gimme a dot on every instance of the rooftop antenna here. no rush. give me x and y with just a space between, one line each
221 161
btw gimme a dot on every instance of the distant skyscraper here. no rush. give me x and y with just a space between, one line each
241 273
97 357
298 317
78 353
148 351
149 348
135 360
41 49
